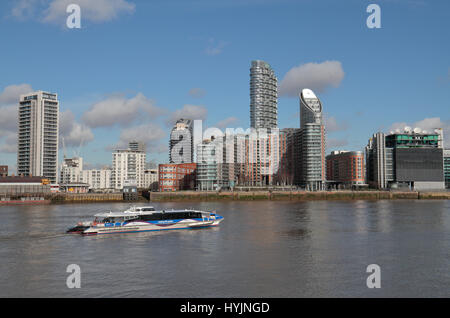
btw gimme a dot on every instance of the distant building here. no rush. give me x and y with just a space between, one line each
181 144
3 171
447 168
136 146
212 168
130 191
76 187
98 179
38 133
263 96
70 170
127 164
411 159
345 169
176 177
14 185
151 179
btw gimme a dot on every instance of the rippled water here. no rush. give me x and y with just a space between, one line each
261 249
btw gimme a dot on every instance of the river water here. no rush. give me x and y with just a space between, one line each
261 249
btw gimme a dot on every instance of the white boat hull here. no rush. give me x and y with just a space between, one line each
150 226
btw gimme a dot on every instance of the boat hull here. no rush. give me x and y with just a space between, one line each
150 227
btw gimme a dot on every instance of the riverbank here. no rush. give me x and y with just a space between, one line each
294 195
195 196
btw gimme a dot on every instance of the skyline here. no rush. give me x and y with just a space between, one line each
205 74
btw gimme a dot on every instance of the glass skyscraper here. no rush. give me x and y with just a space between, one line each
263 96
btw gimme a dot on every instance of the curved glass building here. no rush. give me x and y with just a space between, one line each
263 96
312 142
181 142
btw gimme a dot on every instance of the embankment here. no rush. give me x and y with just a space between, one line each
293 195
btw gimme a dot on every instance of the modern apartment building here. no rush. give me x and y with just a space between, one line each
71 170
127 165
345 169
181 145
213 168
311 142
177 177
263 96
411 159
151 179
38 133
98 179
447 168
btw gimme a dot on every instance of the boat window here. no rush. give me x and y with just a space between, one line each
148 209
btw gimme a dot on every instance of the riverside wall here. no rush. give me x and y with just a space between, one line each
293 195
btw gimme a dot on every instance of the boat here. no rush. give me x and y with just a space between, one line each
145 219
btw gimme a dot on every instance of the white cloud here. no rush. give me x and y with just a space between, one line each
193 112
332 125
151 134
227 122
9 100
11 94
74 133
54 11
428 124
118 110
316 76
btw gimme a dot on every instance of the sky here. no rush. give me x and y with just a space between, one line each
135 66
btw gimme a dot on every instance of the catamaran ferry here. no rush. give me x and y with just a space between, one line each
143 219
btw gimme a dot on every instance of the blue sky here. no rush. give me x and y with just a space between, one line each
163 59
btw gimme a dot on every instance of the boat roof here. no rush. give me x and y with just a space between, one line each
131 213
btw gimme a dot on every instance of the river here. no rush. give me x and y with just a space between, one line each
261 249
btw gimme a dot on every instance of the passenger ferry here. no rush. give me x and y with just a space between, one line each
143 219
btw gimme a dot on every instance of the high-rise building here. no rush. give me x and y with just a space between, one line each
127 166
38 134
311 172
181 145
411 159
263 96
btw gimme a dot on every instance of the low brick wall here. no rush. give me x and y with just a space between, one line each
292 195
85 197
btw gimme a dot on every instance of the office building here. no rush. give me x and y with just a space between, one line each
412 159
181 146
345 169
263 96
37 149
